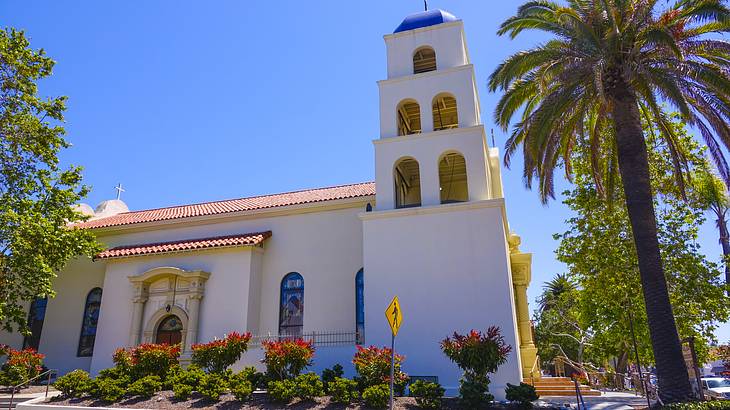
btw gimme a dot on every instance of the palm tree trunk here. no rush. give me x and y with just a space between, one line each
725 242
634 168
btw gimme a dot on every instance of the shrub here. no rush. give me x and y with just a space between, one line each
240 387
21 365
120 376
473 392
477 355
73 384
106 389
218 355
329 375
282 391
122 359
189 377
212 386
343 390
308 386
428 395
255 377
377 396
698 405
170 376
524 394
145 387
372 365
153 360
285 359
182 391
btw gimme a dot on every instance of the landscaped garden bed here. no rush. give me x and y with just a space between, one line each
149 376
165 400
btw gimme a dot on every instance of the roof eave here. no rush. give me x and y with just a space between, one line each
319 206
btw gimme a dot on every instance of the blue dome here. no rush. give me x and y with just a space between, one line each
425 19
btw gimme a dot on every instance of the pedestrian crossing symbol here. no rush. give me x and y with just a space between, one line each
394 315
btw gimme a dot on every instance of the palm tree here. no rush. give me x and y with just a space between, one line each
714 196
609 63
553 290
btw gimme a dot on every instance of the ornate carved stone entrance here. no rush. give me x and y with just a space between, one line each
173 295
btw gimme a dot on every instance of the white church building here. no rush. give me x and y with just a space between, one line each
322 263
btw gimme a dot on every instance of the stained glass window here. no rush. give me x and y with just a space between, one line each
359 307
36 316
88 325
291 313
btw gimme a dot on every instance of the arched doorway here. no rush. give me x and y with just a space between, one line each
169 331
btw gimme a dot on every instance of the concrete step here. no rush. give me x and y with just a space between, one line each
562 387
565 393
21 398
5 401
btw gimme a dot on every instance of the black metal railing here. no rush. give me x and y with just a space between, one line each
329 338
49 373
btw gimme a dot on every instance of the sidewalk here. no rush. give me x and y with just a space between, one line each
606 401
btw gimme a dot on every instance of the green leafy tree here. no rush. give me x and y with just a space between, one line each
559 331
712 193
36 193
599 252
607 65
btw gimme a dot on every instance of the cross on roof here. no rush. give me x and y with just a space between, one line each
119 190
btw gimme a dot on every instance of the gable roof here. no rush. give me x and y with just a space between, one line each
247 239
233 205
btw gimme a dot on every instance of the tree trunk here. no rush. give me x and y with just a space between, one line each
725 242
634 168
622 367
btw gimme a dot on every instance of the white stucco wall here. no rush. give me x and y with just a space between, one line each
458 81
448 265
427 149
64 315
325 247
447 40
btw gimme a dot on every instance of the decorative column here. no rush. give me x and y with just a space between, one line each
521 264
196 294
138 301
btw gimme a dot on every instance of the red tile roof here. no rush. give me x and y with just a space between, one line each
247 239
234 205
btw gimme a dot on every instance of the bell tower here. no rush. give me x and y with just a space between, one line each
432 148
437 237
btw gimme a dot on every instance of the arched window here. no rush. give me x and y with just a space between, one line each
409 118
359 308
445 115
424 59
407 183
36 316
169 331
452 178
291 313
89 322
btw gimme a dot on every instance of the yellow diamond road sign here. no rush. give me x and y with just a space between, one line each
394 315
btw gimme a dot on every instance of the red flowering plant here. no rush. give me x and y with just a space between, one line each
285 359
147 360
477 354
218 355
372 365
21 365
122 358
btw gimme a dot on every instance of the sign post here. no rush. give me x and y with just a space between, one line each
395 316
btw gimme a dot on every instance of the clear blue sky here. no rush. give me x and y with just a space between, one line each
191 101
